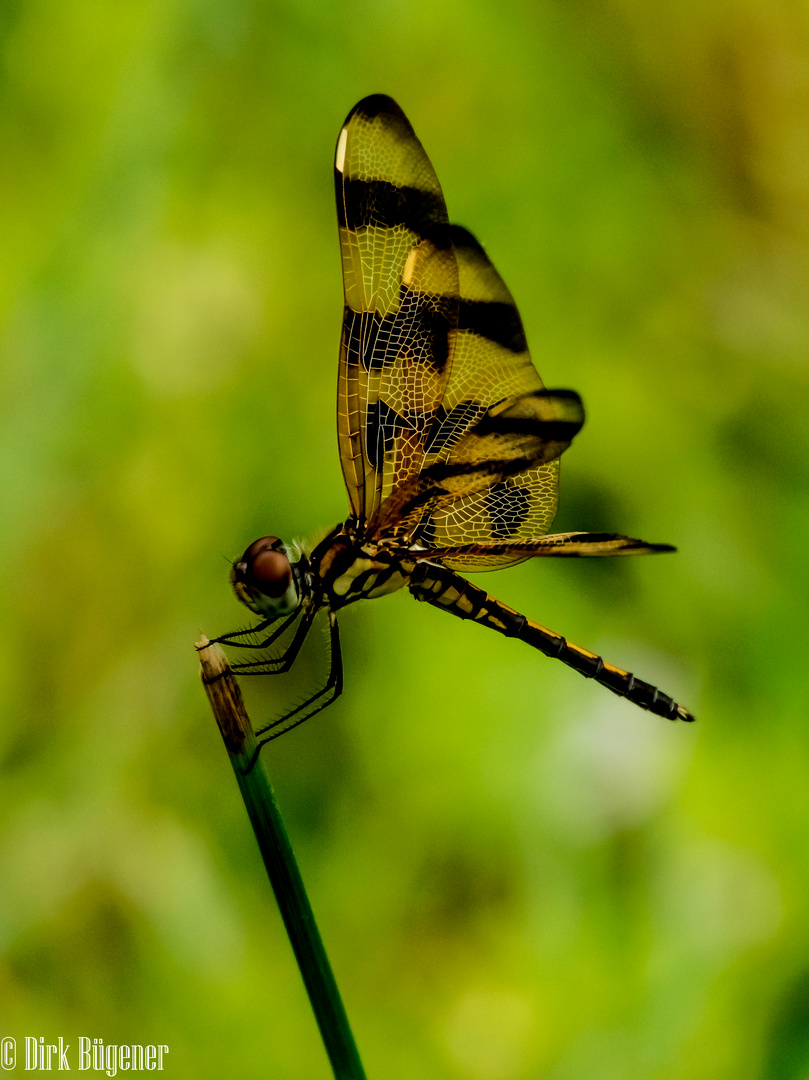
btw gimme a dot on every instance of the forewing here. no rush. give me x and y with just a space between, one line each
490 472
401 301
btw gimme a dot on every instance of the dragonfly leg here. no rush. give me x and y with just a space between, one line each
280 664
307 709
232 638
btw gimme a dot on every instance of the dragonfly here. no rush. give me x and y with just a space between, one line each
449 442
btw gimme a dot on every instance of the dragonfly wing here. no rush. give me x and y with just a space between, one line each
447 436
401 301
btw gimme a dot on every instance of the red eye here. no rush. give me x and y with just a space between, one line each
265 567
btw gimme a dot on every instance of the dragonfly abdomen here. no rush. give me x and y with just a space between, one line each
447 590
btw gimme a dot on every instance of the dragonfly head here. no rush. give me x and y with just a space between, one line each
265 580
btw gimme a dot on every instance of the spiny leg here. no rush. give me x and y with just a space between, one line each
281 664
328 693
232 638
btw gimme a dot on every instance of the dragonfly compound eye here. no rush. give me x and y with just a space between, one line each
265 568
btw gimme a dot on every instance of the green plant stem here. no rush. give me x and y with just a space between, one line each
240 740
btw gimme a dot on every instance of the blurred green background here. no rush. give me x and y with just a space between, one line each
516 874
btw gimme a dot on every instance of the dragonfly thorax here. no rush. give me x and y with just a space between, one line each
345 567
267 580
